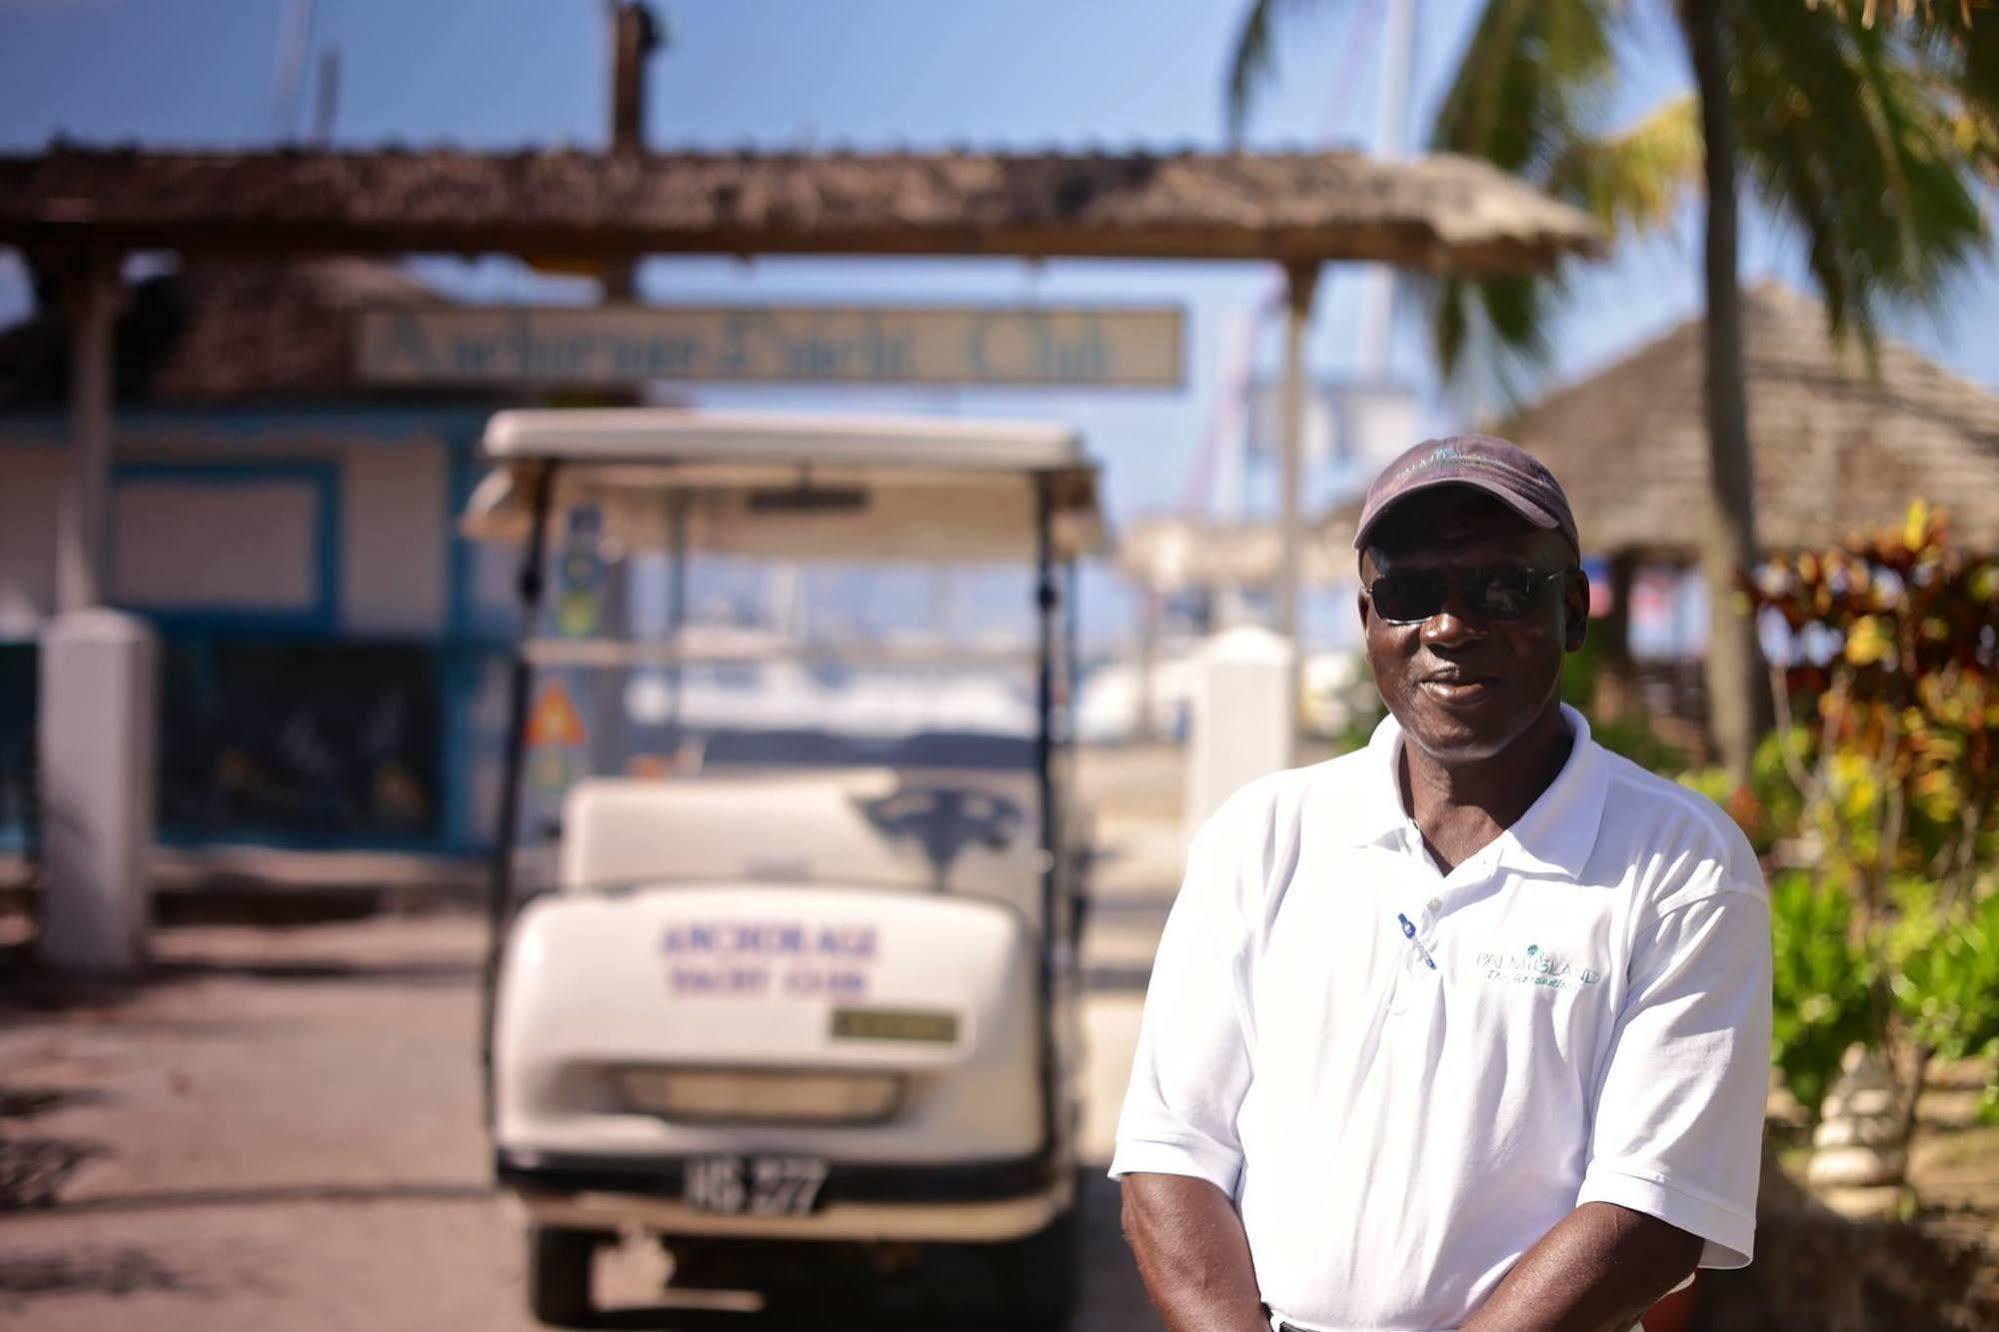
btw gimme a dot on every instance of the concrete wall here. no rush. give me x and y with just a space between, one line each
393 544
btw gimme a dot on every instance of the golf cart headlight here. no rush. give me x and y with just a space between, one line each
781 1096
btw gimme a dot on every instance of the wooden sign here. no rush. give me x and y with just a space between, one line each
1072 346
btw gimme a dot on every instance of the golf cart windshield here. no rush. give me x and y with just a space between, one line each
727 594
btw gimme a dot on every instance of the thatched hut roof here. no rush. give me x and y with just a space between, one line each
1433 213
1836 448
238 330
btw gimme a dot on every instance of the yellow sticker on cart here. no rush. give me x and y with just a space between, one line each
894 1024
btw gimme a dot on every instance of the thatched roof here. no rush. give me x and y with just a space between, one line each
223 330
1432 213
1836 449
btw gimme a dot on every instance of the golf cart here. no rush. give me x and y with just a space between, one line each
796 991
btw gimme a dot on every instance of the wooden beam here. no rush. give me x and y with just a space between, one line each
1436 214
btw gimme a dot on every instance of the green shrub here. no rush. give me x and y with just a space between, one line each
1946 979
1882 789
1822 983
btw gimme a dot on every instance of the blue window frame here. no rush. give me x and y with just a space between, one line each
321 614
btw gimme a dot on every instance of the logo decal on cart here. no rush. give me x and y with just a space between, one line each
748 959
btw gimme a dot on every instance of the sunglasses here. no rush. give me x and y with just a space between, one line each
1498 592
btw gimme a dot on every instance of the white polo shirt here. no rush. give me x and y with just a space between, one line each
1596 1027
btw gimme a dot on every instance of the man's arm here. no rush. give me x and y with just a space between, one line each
1192 1253
1178 1153
1598 1270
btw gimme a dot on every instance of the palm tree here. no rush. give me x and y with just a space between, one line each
1856 124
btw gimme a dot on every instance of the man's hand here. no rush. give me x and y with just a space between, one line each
1598 1270
1193 1254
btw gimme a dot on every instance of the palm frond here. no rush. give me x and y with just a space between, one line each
1956 46
1845 138
1491 332
1528 72
1254 60
1531 75
1636 178
1923 11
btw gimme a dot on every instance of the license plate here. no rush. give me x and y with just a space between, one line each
754 1185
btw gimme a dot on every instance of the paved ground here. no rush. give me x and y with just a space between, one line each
280 1130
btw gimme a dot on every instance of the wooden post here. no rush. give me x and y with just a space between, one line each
91 295
635 35
1301 281
1151 608
1614 678
96 714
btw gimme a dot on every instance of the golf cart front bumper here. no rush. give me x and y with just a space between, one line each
962 1201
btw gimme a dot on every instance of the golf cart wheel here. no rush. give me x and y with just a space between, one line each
1041 1276
559 1263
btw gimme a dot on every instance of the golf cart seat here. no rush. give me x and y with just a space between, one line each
971 834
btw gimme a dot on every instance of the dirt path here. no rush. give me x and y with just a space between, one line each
281 1130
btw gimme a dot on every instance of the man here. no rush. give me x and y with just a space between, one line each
1470 1029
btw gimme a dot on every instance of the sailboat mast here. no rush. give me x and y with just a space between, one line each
1377 301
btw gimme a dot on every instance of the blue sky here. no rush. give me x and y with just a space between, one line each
867 74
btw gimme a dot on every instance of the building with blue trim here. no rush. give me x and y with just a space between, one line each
329 645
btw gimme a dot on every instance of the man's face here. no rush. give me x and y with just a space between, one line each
1463 683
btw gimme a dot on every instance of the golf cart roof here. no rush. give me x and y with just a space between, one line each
794 486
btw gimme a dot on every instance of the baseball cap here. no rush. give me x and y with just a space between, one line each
1503 470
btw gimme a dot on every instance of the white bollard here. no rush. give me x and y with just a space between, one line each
1242 717
97 732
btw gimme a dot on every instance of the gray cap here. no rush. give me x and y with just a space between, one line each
1503 470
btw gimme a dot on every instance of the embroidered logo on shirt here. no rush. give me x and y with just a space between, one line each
1534 966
